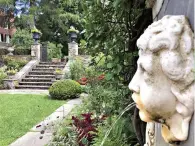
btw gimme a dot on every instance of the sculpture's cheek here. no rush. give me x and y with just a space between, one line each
155 100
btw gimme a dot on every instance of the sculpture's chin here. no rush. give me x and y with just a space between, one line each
144 116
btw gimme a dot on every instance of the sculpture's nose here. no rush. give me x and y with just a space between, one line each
134 84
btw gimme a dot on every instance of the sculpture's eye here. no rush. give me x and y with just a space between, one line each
142 68
147 76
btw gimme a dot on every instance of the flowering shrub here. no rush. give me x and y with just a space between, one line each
84 80
79 130
85 129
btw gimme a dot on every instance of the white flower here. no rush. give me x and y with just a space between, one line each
105 2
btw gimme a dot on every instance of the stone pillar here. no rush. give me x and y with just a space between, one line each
0 38
36 51
72 49
7 38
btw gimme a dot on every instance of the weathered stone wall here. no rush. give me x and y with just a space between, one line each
178 7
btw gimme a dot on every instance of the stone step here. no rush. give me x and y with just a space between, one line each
51 63
36 83
50 66
38 79
31 87
40 76
41 73
44 69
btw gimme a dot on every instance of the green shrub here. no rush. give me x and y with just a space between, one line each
14 63
122 133
22 39
65 89
22 52
77 69
107 99
3 75
54 51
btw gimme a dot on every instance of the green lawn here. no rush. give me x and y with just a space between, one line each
19 113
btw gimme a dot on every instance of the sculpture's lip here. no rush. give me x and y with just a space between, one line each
136 99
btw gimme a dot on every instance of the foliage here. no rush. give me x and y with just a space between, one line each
107 99
22 39
6 2
100 59
78 130
3 75
14 63
84 73
77 69
65 136
82 47
113 27
22 51
65 89
12 71
54 19
24 21
54 50
122 133
72 29
85 129
33 30
58 71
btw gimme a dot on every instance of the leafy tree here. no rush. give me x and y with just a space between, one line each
113 27
55 18
7 2
22 39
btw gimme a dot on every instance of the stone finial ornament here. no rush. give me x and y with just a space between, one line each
163 84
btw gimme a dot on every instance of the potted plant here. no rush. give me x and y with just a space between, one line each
58 73
11 73
73 34
36 34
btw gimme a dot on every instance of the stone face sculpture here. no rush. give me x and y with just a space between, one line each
163 84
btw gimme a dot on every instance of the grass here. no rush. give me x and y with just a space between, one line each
19 113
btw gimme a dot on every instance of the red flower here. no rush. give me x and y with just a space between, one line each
101 77
84 79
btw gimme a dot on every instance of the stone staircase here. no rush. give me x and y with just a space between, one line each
40 77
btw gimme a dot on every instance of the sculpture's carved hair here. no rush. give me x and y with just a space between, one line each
172 33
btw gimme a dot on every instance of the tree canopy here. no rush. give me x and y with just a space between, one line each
113 27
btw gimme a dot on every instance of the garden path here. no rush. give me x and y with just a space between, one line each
41 134
24 91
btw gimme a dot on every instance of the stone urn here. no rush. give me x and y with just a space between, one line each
56 60
36 36
11 50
